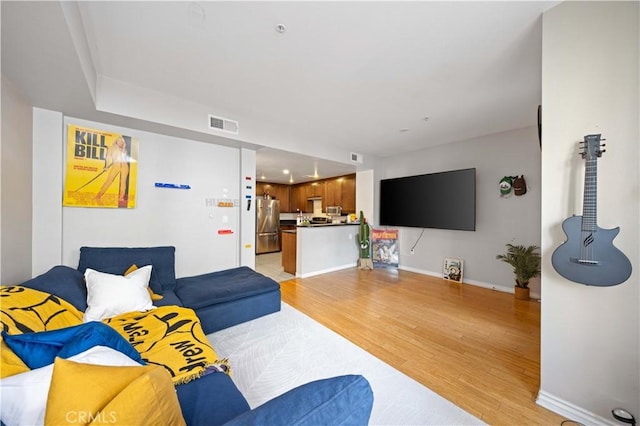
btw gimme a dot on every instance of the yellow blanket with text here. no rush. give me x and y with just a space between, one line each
170 336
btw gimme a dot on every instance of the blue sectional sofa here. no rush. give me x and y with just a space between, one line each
221 299
213 399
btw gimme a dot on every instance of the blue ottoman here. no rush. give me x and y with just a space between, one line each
225 298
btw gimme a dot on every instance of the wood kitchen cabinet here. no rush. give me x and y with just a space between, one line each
303 191
341 191
338 191
277 191
348 194
289 251
333 191
316 189
298 198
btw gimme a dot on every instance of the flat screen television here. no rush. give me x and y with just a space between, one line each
445 200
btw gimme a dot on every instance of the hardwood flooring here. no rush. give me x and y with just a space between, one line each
476 347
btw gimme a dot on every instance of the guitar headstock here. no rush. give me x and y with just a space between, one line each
591 147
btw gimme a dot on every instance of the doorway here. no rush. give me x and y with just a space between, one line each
270 264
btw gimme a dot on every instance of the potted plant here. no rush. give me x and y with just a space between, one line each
526 265
364 260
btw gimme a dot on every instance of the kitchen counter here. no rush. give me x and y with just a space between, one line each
322 248
316 225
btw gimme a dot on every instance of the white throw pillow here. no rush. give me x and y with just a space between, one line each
23 397
109 295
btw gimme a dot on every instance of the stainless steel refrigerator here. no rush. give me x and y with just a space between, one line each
267 225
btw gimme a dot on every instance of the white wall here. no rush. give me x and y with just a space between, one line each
590 358
15 186
498 220
365 198
163 216
47 189
247 211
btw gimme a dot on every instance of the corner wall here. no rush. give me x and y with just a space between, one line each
15 186
590 357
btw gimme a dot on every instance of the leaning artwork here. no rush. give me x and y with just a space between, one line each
452 269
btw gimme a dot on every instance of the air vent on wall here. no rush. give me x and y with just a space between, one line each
356 158
223 124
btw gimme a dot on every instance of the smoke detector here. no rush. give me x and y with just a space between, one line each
224 124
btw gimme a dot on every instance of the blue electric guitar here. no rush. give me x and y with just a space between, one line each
589 256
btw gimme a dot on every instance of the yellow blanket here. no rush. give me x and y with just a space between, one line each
169 336
24 310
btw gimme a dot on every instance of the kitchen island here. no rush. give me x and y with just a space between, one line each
323 248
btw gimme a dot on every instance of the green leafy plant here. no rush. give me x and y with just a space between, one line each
525 261
363 238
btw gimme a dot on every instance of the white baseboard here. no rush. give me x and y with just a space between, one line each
465 281
423 272
571 411
324 271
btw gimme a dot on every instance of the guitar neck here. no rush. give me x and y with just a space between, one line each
590 200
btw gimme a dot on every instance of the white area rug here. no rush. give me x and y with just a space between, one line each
275 353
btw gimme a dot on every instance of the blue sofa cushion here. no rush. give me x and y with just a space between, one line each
40 349
211 400
64 282
117 269
218 316
168 298
163 273
343 400
223 286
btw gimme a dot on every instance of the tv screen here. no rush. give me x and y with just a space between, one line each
445 200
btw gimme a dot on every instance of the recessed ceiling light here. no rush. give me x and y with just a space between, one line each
285 172
262 177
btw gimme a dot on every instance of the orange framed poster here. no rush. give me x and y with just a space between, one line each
101 169
384 243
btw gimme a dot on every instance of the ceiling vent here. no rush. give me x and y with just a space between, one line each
356 158
224 124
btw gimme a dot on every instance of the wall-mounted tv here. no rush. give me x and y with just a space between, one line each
445 200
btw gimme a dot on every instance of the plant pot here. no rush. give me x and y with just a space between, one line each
365 263
522 293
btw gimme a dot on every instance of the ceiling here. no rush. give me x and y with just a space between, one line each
303 79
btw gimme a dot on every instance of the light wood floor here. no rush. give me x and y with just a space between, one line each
476 347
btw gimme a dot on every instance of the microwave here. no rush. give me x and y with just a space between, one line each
334 210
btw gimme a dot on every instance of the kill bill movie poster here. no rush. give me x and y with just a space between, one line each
102 169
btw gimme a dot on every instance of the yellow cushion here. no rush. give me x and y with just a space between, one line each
154 296
97 394
25 310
